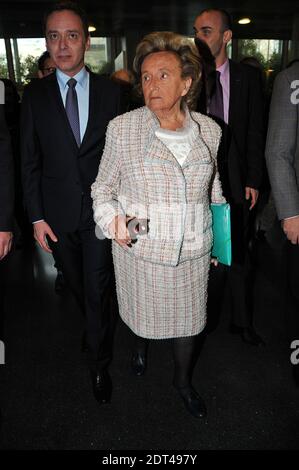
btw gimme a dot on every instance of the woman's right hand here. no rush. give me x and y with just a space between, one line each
118 230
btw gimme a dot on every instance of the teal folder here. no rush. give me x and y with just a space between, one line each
222 246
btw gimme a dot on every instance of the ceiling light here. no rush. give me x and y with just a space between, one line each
244 21
92 29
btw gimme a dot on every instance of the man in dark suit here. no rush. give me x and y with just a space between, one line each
64 120
46 66
6 203
282 156
6 186
6 197
237 105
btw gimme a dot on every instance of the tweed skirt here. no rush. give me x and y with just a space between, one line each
158 301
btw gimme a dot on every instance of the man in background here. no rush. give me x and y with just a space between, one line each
64 121
46 65
6 205
282 156
237 106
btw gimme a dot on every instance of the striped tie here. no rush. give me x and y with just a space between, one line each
72 110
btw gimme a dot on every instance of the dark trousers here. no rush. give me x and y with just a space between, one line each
292 291
87 267
57 262
289 277
236 280
2 288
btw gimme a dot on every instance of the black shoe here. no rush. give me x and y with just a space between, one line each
59 283
101 386
248 335
138 363
193 402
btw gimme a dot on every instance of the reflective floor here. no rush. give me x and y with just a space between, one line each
45 392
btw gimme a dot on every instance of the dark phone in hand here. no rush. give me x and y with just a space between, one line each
137 227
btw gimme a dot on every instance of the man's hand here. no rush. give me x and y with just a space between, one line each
41 229
5 243
253 194
118 230
291 229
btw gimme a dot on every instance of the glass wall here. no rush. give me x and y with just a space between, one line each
26 52
98 58
267 54
3 60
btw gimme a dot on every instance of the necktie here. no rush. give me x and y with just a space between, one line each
72 110
216 101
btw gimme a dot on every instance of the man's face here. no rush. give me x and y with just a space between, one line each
66 41
49 67
208 27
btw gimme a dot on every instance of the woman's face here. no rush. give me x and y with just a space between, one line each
162 84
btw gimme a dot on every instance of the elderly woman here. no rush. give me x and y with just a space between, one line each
158 172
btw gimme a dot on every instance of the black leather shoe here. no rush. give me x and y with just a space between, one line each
59 283
248 335
101 386
138 363
193 402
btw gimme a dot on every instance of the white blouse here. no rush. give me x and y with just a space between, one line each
179 142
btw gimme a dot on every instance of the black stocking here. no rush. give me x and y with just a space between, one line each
140 345
183 353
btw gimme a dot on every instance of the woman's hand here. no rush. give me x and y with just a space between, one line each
214 261
118 230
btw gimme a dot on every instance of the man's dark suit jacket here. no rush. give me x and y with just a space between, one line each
6 177
242 149
55 171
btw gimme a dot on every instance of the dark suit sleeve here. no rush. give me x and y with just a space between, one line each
31 160
6 177
256 131
121 103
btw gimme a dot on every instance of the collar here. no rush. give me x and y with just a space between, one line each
152 123
223 68
81 77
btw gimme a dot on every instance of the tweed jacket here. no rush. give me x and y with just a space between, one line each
282 148
140 177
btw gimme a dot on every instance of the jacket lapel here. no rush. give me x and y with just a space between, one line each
235 81
200 152
91 108
154 149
